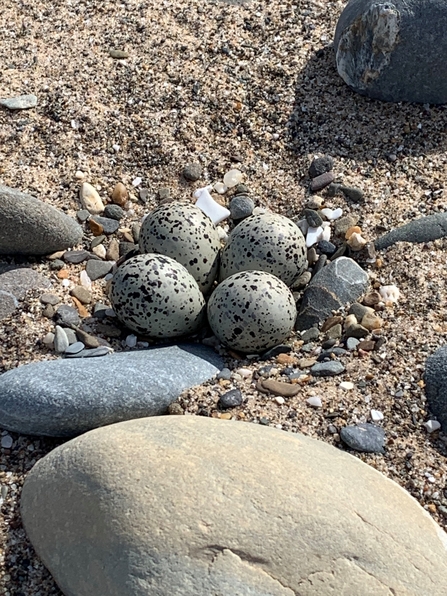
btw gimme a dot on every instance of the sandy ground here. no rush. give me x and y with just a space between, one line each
225 84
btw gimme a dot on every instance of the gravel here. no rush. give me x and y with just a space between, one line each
259 90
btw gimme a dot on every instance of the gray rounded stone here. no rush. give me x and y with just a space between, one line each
31 227
114 212
97 269
436 384
365 437
241 206
192 172
185 506
21 102
327 369
66 397
394 51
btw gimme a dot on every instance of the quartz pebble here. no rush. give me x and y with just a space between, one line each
131 341
313 236
432 425
208 205
220 188
232 178
7 442
314 401
376 415
90 199
389 294
346 385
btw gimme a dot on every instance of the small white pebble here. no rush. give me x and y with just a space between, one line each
86 282
116 148
142 344
232 178
326 235
208 205
66 283
303 225
279 400
79 175
313 236
7 442
314 401
137 181
223 235
376 415
48 339
346 385
220 188
131 341
99 251
244 372
389 293
432 425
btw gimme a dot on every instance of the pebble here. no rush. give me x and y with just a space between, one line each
302 281
93 353
320 165
82 294
313 218
367 345
48 311
280 400
99 310
85 280
356 241
276 351
389 294
90 341
131 341
137 181
321 181
230 399
332 214
83 215
143 195
113 250
335 332
97 269
125 248
225 374
327 369
432 425
21 102
220 188
357 331
376 415
100 251
76 256
313 236
114 212
48 298
346 385
245 373
67 315
48 339
241 206
107 225
70 333
314 401
312 256
7 442
278 387
90 199
60 340
302 225
356 195
75 348
192 172
326 247
365 437
120 194
95 227
118 54
136 229
342 225
306 362
232 178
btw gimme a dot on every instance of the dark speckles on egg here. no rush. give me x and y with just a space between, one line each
252 311
267 242
152 284
184 233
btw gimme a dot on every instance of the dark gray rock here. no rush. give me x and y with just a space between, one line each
114 212
49 298
14 284
67 397
67 315
97 269
83 215
31 227
313 218
326 247
327 369
394 51
192 172
75 348
423 229
76 256
275 351
109 226
364 437
354 194
22 102
321 181
320 165
310 334
126 247
436 385
241 206
230 399
339 283
57 264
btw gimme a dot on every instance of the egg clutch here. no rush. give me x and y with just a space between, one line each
183 275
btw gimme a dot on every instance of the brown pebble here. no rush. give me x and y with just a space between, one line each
371 321
431 507
89 340
280 388
321 181
82 294
128 237
334 332
95 227
120 195
330 323
83 312
113 251
353 230
226 416
372 299
306 362
63 274
285 359
367 345
48 311
55 255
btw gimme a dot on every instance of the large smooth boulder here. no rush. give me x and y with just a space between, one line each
338 284
192 506
31 227
436 385
63 398
394 51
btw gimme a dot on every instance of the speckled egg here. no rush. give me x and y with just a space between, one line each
267 242
182 231
251 311
156 296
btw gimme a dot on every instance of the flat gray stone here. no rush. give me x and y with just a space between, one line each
66 397
436 385
21 102
109 225
14 284
394 51
364 437
327 369
193 506
339 283
423 229
31 227
97 269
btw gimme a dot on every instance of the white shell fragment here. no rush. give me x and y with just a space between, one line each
331 214
314 401
376 415
389 293
326 235
232 178
208 205
86 282
432 425
346 385
90 199
220 188
313 236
